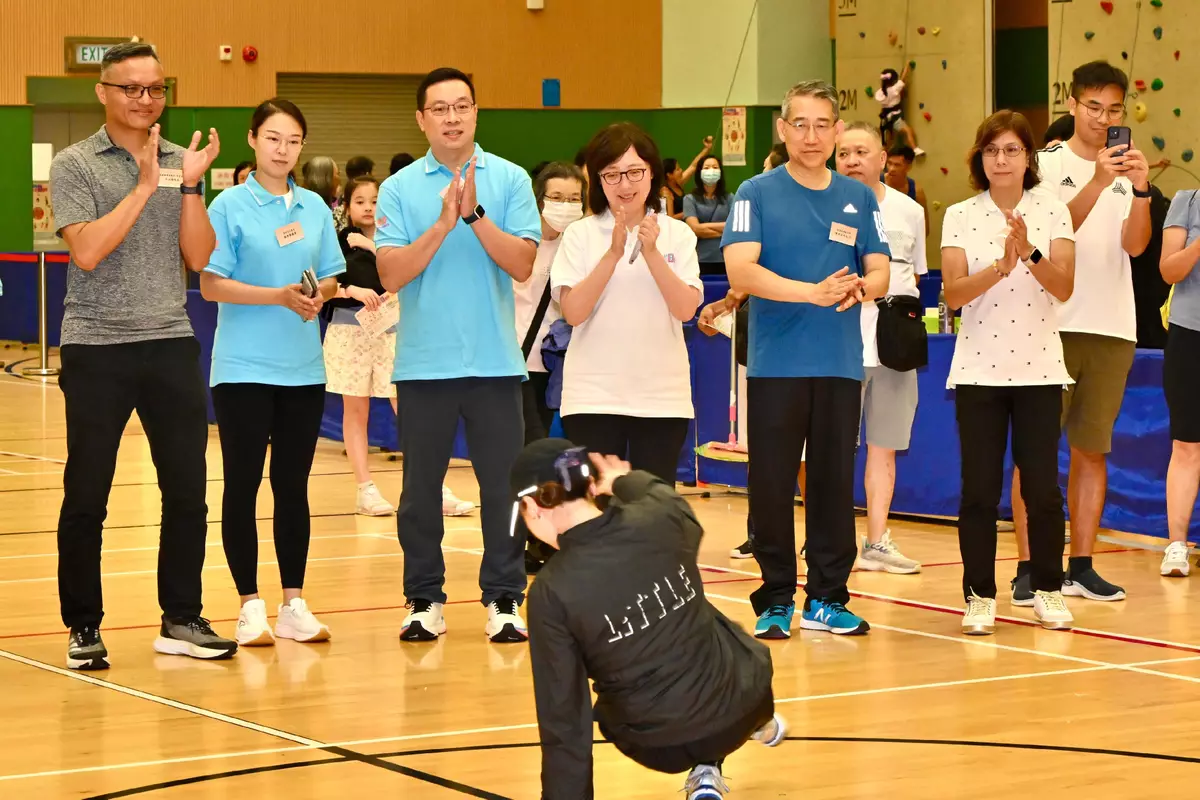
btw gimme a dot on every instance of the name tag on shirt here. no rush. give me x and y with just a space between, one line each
843 234
170 178
289 234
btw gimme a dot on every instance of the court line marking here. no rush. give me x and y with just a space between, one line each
32 457
206 544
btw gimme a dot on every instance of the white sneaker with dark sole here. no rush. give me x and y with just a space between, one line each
1175 561
253 629
297 623
504 625
424 622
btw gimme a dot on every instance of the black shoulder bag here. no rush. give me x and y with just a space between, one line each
536 323
902 338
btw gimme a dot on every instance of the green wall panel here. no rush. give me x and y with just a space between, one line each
232 124
16 178
1023 67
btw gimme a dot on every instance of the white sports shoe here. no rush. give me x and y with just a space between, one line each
424 622
884 556
298 623
979 619
371 503
253 629
772 733
705 782
504 622
1050 609
453 506
1175 561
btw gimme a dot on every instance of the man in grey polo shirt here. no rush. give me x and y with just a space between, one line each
130 207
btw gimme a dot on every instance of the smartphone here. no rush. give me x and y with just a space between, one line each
1120 136
308 280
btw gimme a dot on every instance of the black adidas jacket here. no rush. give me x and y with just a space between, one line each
622 603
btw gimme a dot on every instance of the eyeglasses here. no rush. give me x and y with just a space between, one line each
635 175
1010 150
820 127
275 143
462 108
562 198
1095 111
134 91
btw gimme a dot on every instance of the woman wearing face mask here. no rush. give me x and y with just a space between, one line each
268 377
705 211
626 280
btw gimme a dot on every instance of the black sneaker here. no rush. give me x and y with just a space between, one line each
1022 590
192 636
743 550
85 648
1088 583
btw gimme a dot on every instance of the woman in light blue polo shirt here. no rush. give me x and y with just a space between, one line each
268 373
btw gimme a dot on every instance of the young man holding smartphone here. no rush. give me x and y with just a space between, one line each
1107 190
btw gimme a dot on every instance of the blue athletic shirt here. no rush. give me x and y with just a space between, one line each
793 225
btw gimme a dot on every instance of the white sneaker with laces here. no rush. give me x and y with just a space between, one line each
772 733
1050 609
884 556
371 503
424 622
298 623
1175 561
979 619
453 506
253 629
504 623
705 782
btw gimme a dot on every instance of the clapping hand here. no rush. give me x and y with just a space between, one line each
467 200
450 205
648 233
147 162
196 162
620 233
1018 233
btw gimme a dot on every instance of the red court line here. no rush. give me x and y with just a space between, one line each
31 258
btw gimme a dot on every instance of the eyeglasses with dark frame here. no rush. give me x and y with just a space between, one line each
635 175
461 107
1095 111
134 91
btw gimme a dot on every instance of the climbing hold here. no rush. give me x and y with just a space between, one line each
912 65
937 205
1140 84
870 92
1156 84
1159 142
1176 55
1125 55
862 34
922 105
1140 112
1158 32
943 63
1156 3
1107 6
893 38
928 117
947 172
936 31
1176 111
921 30
1188 154
1088 35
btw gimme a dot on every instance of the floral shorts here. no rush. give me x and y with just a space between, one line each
358 365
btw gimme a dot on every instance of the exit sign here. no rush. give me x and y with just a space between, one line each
84 54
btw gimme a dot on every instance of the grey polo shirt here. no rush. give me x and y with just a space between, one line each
137 293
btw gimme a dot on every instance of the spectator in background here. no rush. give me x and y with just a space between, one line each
581 162
899 164
241 172
1060 130
776 158
320 175
1150 291
705 211
399 162
536 169
677 177
359 166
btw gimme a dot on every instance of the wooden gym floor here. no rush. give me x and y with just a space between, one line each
913 710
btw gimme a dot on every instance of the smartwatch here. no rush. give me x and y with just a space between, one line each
476 215
1034 257
191 189
1138 193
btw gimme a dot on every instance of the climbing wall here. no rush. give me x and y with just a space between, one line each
947 95
1157 43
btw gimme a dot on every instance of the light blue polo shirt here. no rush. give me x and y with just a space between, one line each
269 344
456 317
1185 303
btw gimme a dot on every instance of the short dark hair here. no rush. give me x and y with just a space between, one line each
669 165
241 166
1062 129
1097 75
277 105
442 75
557 169
904 151
698 190
125 51
608 146
537 168
778 155
354 183
581 157
359 165
399 162
1003 121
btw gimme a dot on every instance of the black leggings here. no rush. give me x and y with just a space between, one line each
652 444
249 416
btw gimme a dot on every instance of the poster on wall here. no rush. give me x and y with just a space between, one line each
43 215
733 136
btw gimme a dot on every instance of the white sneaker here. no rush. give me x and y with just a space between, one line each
1050 609
980 617
371 503
424 622
454 507
298 623
253 629
705 783
504 622
884 556
772 733
1175 561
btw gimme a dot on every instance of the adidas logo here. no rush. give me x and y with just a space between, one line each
1119 189
1068 182
849 209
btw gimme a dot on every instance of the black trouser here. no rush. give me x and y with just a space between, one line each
103 384
249 415
652 444
712 749
985 414
782 415
428 417
538 416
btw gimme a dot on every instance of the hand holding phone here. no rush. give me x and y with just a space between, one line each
308 280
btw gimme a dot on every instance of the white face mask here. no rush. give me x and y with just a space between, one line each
709 177
560 215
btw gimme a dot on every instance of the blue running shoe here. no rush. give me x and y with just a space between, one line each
822 615
775 622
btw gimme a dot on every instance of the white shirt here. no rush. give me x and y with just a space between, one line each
1009 334
526 297
904 221
629 356
1103 298
892 97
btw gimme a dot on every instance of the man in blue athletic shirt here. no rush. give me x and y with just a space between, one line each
810 246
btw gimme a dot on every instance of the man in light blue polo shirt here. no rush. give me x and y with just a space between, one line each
810 246
453 231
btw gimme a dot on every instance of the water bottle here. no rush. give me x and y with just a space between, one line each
945 315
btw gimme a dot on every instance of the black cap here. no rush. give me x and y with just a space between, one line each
535 465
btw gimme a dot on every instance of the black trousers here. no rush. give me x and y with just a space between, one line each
429 412
782 415
985 416
652 444
103 385
538 416
249 416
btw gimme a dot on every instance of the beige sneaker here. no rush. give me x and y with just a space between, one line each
1050 609
371 503
453 506
884 556
979 619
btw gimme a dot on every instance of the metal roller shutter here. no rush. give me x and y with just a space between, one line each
357 115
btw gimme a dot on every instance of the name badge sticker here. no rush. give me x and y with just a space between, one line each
170 178
843 234
289 234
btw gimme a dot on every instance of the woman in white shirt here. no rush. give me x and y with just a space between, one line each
558 189
1008 259
626 279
